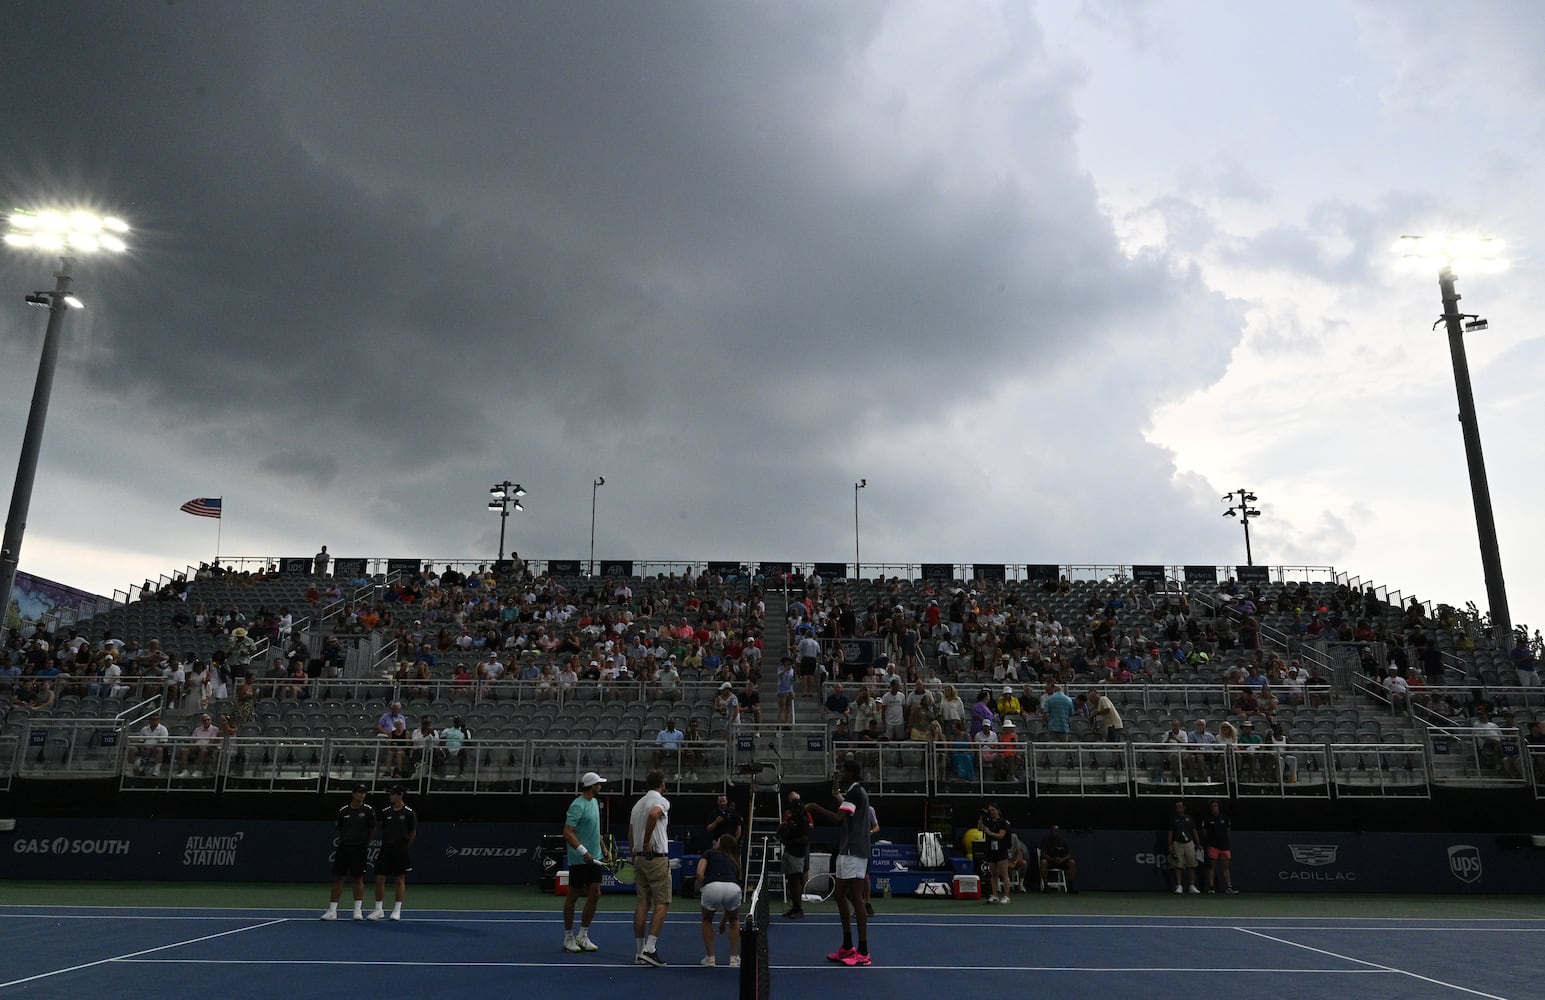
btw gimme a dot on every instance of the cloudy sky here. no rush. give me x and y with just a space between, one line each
1052 276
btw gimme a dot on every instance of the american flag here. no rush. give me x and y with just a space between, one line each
203 507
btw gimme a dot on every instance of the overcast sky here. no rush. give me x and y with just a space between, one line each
1053 277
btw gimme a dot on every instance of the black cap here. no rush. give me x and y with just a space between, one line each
395 790
362 787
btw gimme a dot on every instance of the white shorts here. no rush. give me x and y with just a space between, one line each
850 867
720 897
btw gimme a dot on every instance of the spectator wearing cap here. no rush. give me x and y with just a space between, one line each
727 708
1395 687
986 740
1008 703
1009 755
353 827
582 834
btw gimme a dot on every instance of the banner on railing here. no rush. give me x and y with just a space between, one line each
1042 572
1252 574
617 567
1201 574
407 567
1148 574
830 570
938 571
565 567
990 572
351 568
719 567
295 565
776 569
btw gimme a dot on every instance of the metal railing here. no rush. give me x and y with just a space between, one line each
1385 770
1473 755
70 749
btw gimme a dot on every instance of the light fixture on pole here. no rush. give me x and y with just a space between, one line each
1485 254
600 481
1244 512
857 573
506 496
67 234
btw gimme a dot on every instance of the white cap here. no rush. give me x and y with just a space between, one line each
1008 723
987 722
726 686
590 778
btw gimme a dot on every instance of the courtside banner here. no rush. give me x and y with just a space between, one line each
255 850
507 854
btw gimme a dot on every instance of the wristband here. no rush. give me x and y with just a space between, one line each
584 851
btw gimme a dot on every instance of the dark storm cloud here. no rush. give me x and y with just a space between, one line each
713 251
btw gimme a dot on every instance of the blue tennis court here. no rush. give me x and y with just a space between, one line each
247 954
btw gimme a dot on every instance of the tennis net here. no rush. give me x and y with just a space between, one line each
754 963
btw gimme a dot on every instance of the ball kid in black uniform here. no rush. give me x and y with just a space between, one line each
399 825
355 822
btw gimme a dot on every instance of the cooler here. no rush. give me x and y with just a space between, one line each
561 884
965 887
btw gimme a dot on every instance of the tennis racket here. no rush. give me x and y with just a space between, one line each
621 869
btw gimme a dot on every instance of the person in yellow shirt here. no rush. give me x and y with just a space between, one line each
1008 704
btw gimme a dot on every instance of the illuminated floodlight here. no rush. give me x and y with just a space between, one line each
76 231
73 302
1473 253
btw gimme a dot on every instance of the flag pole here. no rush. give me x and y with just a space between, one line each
219 527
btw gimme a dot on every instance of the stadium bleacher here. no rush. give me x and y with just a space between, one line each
300 697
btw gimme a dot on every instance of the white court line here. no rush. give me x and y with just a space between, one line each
1039 921
1004 920
582 964
135 954
1376 965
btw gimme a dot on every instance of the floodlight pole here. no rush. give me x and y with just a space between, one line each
595 487
506 494
32 441
1480 491
857 572
1244 512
